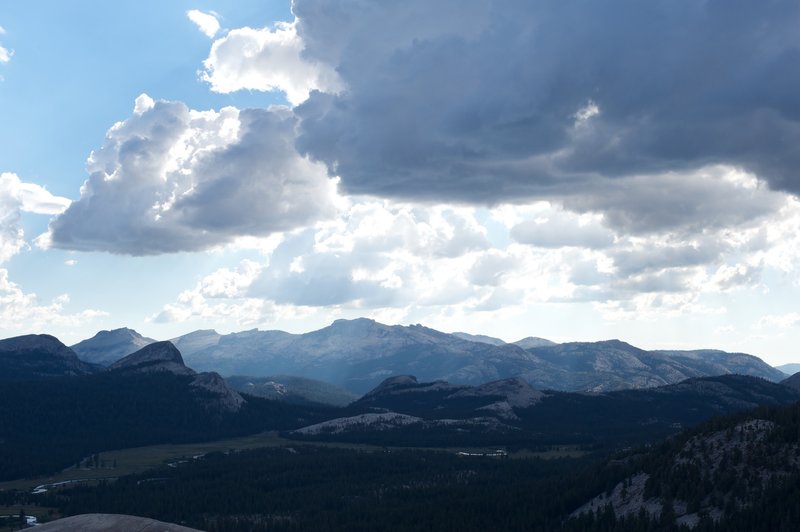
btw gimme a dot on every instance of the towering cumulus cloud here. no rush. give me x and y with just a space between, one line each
172 179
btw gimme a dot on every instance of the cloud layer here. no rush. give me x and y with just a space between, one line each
539 99
384 258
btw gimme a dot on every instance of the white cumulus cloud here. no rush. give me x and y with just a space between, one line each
266 60
172 179
17 197
205 22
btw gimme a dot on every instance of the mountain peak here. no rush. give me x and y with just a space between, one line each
616 343
43 342
107 347
158 356
38 355
530 342
357 324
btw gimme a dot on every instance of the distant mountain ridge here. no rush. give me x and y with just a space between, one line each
789 369
358 354
615 365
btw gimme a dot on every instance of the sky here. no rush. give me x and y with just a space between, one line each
576 171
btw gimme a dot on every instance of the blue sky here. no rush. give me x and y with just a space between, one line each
472 166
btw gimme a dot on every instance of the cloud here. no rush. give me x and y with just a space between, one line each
23 311
689 203
221 296
384 258
376 254
171 179
11 233
492 268
205 22
405 100
657 256
506 105
564 230
266 60
782 321
37 199
17 197
20 310
5 53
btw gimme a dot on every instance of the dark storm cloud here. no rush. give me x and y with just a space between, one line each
486 102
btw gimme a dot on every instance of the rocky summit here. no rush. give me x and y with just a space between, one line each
159 356
107 347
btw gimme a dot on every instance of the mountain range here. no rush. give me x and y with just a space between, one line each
55 409
357 355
